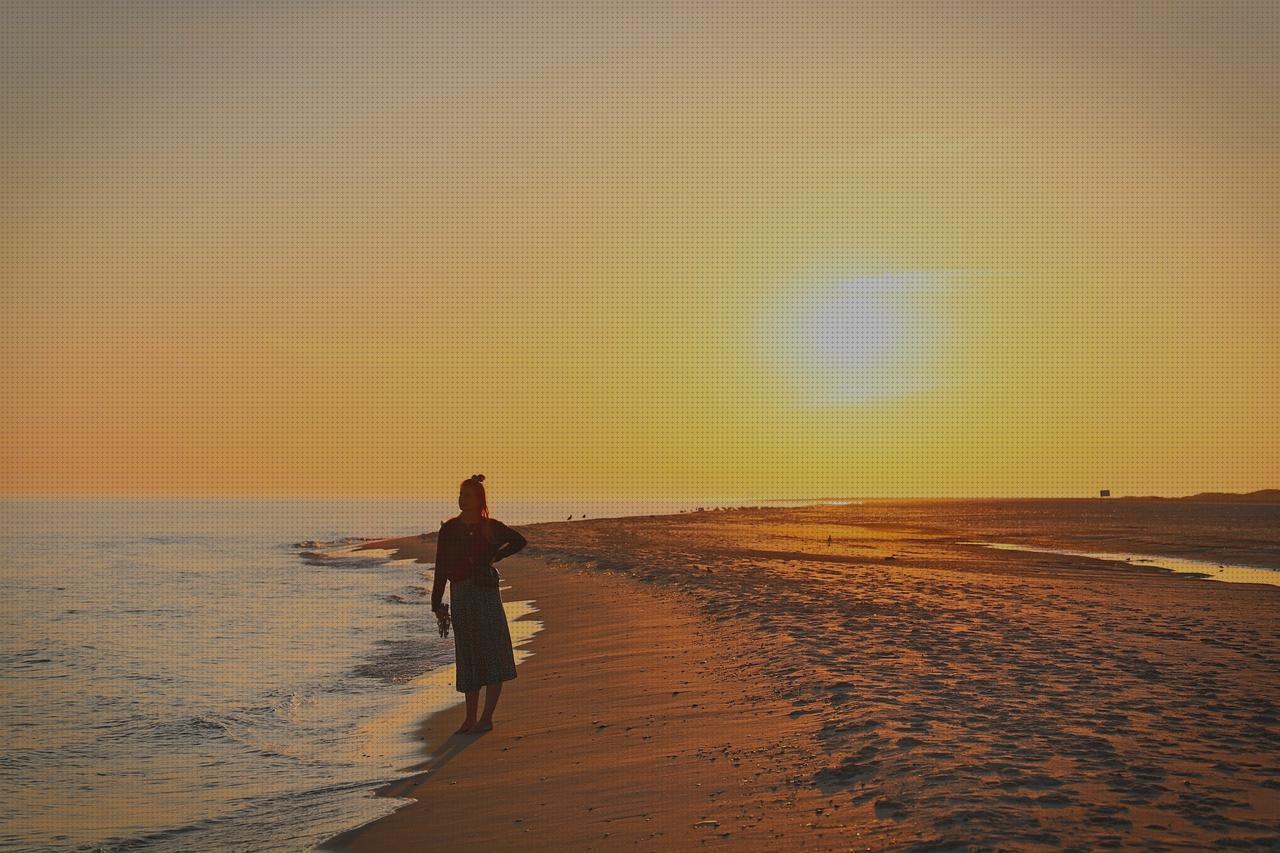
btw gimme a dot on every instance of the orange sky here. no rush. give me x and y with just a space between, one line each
640 250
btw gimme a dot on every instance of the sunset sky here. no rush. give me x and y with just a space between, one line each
769 249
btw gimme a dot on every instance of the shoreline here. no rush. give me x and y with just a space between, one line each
847 677
601 739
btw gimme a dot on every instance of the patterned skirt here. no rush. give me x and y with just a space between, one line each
481 637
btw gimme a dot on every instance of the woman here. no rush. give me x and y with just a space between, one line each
467 543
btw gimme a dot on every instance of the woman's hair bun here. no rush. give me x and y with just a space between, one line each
479 478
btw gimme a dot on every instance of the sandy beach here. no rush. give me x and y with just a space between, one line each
843 678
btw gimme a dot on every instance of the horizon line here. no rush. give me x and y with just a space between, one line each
283 497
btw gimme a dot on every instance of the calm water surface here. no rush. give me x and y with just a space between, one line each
176 677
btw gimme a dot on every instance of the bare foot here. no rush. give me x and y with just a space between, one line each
465 727
482 726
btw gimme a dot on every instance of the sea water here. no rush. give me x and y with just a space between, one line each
177 675
1209 569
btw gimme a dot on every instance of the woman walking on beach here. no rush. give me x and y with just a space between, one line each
467 545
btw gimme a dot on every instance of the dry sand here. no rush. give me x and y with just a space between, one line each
736 667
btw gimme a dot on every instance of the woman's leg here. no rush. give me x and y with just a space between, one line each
491 693
473 701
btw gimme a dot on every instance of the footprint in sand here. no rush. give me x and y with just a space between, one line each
890 810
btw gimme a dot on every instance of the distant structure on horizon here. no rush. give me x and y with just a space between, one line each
1105 493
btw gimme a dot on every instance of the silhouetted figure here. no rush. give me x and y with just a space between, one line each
466 548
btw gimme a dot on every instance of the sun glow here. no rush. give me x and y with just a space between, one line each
853 339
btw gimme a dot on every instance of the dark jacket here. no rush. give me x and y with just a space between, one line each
459 554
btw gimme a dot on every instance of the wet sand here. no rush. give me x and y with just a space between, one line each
734 678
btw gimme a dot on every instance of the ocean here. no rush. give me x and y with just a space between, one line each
177 675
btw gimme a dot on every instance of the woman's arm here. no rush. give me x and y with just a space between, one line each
437 587
510 540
